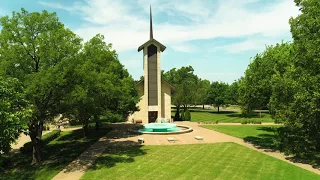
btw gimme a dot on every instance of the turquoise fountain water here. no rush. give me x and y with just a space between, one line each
160 127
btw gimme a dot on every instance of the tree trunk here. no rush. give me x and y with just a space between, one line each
34 131
97 120
85 128
260 113
218 109
40 128
202 106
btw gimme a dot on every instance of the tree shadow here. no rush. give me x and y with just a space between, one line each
224 112
265 140
60 152
254 115
118 154
313 160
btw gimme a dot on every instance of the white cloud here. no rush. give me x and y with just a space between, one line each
206 20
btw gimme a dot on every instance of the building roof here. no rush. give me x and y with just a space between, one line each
171 86
152 41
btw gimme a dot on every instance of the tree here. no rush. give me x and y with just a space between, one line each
232 94
183 118
32 45
185 83
100 84
13 112
187 115
296 93
202 92
255 88
217 94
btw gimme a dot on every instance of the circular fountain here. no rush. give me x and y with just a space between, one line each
164 128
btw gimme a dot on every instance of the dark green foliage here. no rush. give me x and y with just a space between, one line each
186 84
177 116
32 47
217 94
98 85
13 111
187 115
182 113
4 162
27 147
255 88
296 93
244 121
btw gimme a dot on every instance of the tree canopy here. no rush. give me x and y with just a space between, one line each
296 93
14 112
59 75
255 88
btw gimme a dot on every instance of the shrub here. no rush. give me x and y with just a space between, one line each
177 116
27 147
257 122
217 121
187 115
244 121
4 161
182 115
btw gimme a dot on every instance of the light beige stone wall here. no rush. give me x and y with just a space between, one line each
166 101
139 115
145 106
159 82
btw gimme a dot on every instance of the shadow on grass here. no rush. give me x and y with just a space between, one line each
55 156
265 140
118 154
313 160
254 115
268 142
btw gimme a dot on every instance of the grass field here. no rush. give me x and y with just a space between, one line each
55 156
262 136
199 115
201 161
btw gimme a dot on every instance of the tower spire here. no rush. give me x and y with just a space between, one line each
151 31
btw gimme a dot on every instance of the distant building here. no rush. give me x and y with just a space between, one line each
155 93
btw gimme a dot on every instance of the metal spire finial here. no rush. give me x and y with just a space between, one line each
151 31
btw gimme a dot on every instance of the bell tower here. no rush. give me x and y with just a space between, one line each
152 76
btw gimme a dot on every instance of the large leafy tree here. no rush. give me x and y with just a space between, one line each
32 45
232 94
255 88
296 93
186 83
13 112
99 84
202 92
217 94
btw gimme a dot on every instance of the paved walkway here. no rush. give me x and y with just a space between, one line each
120 136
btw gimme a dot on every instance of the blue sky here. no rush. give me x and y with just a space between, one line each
216 37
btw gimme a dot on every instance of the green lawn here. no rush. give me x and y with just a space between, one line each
55 156
198 161
198 115
262 136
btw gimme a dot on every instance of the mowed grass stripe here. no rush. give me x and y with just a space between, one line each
198 161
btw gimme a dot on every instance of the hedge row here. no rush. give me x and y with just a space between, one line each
27 147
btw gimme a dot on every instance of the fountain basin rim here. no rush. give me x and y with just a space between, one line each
188 129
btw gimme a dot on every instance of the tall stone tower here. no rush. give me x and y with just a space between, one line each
154 92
